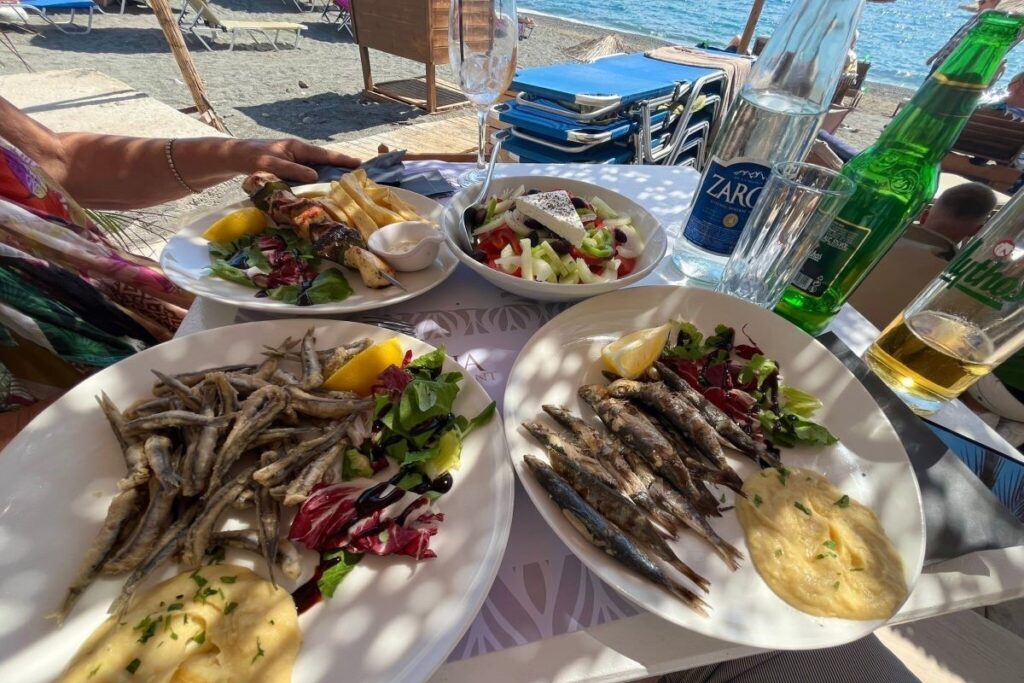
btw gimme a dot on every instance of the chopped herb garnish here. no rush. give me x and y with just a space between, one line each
93 672
133 666
757 501
228 579
836 585
800 506
179 597
857 569
174 606
843 502
148 628
272 622
830 544
722 499
778 552
259 652
200 581
230 607
820 556
174 636
200 637
184 618
783 474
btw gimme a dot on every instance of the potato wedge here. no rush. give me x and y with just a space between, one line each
337 213
387 197
355 214
379 214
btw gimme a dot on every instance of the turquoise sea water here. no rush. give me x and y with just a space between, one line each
898 36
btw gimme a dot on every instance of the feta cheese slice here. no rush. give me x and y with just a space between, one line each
554 210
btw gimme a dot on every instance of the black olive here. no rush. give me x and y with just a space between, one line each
534 238
579 203
533 192
262 294
480 256
560 246
533 224
620 236
474 216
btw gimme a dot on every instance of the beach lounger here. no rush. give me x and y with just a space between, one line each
43 8
344 10
206 20
591 112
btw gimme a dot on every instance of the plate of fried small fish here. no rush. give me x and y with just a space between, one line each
214 442
640 476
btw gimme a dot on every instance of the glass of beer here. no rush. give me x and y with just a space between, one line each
962 325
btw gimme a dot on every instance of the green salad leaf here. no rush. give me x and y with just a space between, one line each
429 361
690 344
288 294
758 368
799 402
228 272
335 574
355 465
791 430
328 286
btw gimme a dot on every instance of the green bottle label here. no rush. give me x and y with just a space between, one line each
983 277
834 251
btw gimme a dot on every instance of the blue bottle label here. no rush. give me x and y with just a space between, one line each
724 201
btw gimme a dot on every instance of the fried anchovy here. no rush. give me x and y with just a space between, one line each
284 378
325 408
138 470
637 432
610 452
682 509
722 423
254 415
246 499
154 521
605 536
277 472
299 488
246 384
225 392
158 455
682 415
131 449
205 457
286 557
167 545
271 436
168 419
312 372
190 379
267 368
182 392
268 519
198 537
334 358
148 406
621 512
119 515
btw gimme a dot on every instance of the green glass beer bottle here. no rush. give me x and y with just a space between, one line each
898 174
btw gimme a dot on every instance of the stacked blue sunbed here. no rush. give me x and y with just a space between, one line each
619 109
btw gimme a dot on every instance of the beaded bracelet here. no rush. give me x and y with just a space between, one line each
168 152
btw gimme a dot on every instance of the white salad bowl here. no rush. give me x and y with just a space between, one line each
647 227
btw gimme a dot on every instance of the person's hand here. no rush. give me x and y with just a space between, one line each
288 159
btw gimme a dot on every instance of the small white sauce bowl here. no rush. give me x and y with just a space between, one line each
408 246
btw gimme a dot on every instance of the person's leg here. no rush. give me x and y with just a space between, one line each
863 661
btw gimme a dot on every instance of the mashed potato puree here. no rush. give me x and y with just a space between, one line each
818 549
219 624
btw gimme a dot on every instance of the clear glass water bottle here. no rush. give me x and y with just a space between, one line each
774 118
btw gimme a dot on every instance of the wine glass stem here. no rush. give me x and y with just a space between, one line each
481 117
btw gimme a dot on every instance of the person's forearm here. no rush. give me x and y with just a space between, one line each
115 172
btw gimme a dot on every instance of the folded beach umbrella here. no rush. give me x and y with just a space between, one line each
595 49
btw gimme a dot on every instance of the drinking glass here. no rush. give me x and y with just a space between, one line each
962 325
483 36
796 205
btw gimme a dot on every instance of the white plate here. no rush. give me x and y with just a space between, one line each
186 258
868 463
392 619
646 225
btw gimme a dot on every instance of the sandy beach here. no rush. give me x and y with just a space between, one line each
313 92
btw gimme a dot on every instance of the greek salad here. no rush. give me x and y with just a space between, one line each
554 237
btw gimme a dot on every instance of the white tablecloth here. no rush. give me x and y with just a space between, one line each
547 618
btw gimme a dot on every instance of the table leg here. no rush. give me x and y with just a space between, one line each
431 88
364 60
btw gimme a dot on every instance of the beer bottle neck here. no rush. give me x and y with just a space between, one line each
930 124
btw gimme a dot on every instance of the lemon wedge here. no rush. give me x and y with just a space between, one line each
360 373
629 355
236 224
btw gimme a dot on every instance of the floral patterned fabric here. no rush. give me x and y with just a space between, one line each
64 286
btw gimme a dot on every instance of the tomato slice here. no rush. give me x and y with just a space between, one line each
587 258
626 266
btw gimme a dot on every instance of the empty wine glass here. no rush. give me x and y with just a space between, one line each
482 40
